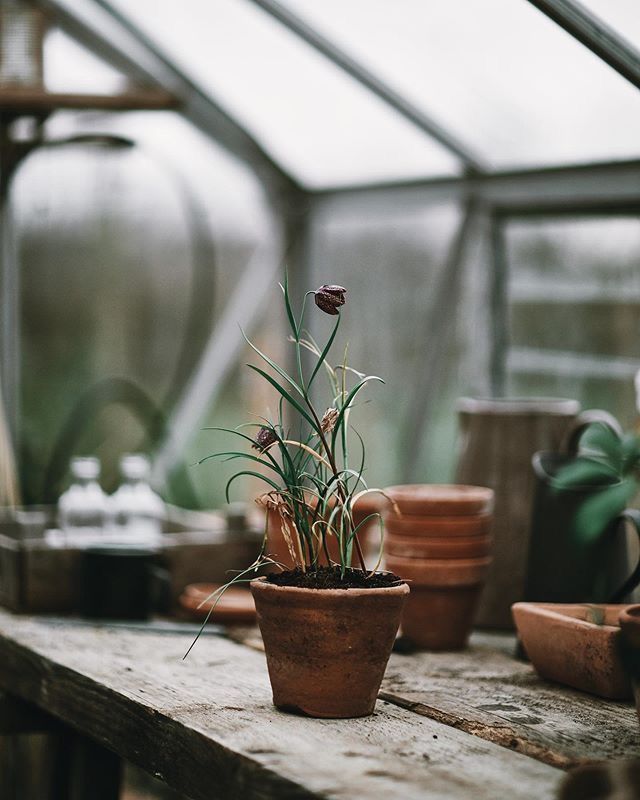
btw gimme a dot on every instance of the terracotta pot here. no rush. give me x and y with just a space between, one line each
327 649
441 499
438 548
565 646
278 550
629 621
440 617
439 572
277 546
477 525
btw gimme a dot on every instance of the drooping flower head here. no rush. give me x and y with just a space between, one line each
264 439
329 298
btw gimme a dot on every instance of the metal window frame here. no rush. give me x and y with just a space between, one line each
585 188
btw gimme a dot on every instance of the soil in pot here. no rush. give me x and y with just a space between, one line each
327 648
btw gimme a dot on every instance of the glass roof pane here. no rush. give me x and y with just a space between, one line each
316 121
499 74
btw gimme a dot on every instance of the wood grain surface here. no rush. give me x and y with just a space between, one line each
207 726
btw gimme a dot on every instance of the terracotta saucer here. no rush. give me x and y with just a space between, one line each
438 526
457 547
441 499
235 606
439 572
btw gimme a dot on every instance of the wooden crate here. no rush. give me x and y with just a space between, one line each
41 576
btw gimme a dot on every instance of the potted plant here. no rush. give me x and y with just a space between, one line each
583 500
328 630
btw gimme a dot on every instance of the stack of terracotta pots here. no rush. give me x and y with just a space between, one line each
440 542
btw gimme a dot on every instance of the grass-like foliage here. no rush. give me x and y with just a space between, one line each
302 456
303 453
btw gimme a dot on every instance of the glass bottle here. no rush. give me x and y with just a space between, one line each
137 512
83 508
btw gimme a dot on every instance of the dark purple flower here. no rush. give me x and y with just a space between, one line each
265 438
329 298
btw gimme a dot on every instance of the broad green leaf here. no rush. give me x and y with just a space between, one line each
584 472
601 509
599 441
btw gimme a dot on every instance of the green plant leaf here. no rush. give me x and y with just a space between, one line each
248 472
584 472
273 365
599 441
233 454
284 393
347 403
601 509
323 355
287 305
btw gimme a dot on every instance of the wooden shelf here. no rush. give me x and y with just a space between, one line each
34 101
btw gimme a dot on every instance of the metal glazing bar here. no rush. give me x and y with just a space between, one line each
439 329
381 89
242 313
128 49
593 33
598 185
499 308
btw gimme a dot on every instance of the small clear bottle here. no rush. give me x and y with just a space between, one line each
83 508
137 512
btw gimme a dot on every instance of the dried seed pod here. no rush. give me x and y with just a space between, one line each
329 298
265 438
329 420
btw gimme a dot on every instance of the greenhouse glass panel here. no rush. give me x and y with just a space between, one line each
574 302
314 120
499 74
394 264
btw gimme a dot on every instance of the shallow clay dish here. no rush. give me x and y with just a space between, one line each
441 499
565 646
235 607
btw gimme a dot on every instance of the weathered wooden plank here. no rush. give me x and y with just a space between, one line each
485 691
207 725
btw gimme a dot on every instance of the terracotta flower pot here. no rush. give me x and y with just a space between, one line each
440 499
440 617
439 572
438 527
327 649
277 546
439 613
438 548
564 645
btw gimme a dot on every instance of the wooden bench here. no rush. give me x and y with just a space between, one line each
453 725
